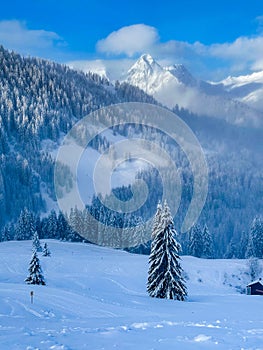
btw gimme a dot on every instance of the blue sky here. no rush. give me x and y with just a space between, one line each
213 39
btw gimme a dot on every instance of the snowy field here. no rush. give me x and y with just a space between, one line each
95 298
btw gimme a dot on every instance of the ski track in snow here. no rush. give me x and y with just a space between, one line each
95 298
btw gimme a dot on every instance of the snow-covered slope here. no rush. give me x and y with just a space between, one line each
182 74
95 298
246 88
175 85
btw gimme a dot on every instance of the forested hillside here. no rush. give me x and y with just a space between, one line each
41 100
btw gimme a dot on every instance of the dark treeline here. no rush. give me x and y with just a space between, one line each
126 231
79 226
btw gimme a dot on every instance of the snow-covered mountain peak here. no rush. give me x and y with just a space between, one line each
246 88
174 85
147 58
256 77
145 64
182 74
147 74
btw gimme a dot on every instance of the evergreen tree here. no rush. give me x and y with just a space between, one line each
25 227
255 240
76 221
208 248
36 246
87 225
195 247
254 268
243 245
63 227
6 234
232 251
46 251
38 225
157 219
35 271
134 231
165 272
51 227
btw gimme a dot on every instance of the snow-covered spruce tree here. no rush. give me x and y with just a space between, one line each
6 234
36 246
255 240
195 247
208 247
232 251
157 219
243 244
35 271
25 226
46 251
51 229
165 272
254 268
63 228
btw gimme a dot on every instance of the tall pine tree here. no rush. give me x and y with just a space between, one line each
25 226
36 246
165 272
208 247
195 247
243 244
255 241
6 233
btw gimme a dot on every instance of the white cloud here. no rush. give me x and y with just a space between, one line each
242 48
237 57
16 36
129 40
242 55
258 65
112 69
213 61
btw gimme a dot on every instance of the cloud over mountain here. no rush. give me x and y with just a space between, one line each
129 40
242 55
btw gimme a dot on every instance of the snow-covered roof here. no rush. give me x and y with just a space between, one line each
254 282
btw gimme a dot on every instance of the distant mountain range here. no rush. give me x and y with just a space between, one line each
174 85
238 100
247 89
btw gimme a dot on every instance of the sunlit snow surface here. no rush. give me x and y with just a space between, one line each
95 298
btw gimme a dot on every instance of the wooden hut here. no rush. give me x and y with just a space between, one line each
255 288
